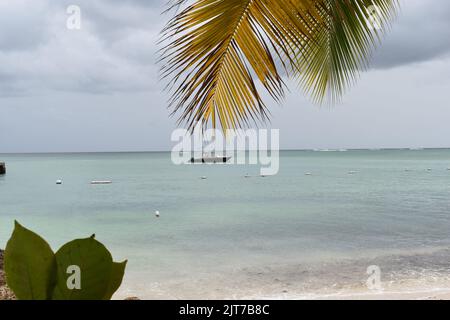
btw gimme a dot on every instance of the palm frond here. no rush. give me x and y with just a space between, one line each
218 47
343 45
221 52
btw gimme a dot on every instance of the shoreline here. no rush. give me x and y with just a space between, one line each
407 290
358 295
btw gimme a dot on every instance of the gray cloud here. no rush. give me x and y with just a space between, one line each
23 26
421 33
116 48
114 51
97 89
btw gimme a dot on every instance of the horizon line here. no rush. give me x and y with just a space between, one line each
281 150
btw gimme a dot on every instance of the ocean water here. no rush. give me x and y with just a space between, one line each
289 235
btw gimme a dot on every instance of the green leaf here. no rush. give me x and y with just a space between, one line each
29 265
115 280
95 264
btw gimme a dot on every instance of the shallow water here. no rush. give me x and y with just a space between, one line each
229 235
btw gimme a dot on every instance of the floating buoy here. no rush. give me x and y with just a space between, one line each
157 214
59 182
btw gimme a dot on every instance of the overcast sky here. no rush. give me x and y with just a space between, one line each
97 89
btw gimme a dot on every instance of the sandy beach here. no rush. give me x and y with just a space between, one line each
399 293
406 290
339 280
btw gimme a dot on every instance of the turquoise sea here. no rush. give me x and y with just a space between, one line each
289 235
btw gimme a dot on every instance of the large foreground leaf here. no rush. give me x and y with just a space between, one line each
29 265
117 273
95 264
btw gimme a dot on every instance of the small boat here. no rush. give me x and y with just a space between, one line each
204 178
157 214
308 174
59 182
101 182
352 172
210 159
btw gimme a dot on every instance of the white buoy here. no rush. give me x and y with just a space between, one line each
59 182
157 214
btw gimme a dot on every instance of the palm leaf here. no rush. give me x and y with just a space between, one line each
222 52
343 45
